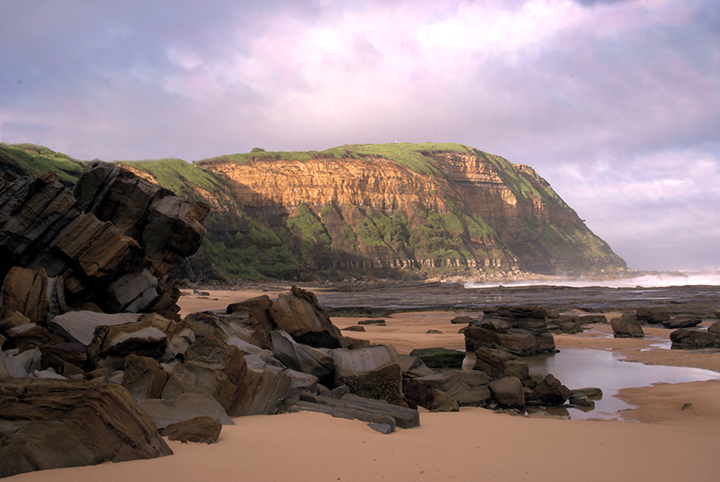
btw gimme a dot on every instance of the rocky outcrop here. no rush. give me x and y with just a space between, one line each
110 242
41 418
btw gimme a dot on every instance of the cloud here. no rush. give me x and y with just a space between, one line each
604 98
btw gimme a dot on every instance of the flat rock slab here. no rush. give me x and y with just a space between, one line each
79 326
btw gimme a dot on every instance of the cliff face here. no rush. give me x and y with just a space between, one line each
381 210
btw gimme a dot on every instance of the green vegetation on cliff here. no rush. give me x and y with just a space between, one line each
37 160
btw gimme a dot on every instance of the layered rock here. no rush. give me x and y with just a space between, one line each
111 241
42 418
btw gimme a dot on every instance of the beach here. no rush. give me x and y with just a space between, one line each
670 435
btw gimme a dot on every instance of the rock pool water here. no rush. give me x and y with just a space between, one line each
579 368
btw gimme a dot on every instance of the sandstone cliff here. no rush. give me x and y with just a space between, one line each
381 210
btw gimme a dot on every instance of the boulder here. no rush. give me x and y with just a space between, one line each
682 321
210 367
684 338
372 372
303 358
467 387
714 328
507 392
354 328
25 291
421 394
197 430
31 335
627 326
184 407
652 315
499 364
143 377
260 392
11 319
550 391
440 357
42 418
299 314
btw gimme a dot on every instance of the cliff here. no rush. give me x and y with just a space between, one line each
383 210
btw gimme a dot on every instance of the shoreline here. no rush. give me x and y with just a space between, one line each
672 434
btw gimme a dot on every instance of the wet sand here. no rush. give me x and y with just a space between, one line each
674 438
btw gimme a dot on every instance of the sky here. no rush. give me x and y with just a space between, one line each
615 102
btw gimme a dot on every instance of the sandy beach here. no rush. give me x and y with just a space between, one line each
673 436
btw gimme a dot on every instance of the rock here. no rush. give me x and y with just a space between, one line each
143 377
439 357
580 400
25 291
299 314
303 358
434 332
372 372
421 394
210 367
11 319
413 367
257 310
261 392
143 338
354 328
507 392
682 321
568 324
684 338
30 360
652 315
356 407
197 430
714 328
372 322
467 387
79 326
184 407
591 319
169 228
31 335
301 381
550 391
519 330
11 367
49 373
464 320
589 392
627 327
42 418
245 347
57 355
499 364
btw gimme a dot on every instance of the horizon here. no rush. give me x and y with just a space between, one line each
613 102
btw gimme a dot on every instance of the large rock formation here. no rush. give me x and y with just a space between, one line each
110 242
389 209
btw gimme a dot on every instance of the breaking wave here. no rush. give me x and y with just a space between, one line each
654 280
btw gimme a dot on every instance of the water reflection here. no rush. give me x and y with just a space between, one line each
579 368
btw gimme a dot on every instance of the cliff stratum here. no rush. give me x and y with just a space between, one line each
378 210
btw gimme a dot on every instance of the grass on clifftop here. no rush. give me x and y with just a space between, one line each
413 156
37 160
